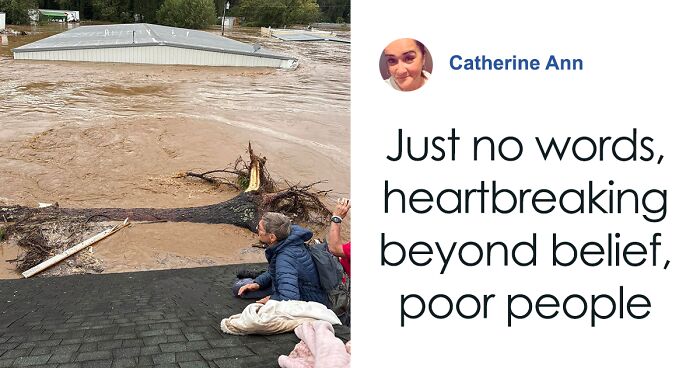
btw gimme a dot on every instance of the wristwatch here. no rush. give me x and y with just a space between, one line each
336 219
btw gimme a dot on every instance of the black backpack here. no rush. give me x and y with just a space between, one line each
331 274
330 271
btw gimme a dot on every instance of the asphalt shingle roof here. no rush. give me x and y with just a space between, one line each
157 318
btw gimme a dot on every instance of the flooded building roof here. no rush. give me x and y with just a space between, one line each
302 35
150 44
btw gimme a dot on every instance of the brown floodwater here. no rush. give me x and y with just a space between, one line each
106 134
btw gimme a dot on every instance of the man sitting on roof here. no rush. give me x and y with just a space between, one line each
291 273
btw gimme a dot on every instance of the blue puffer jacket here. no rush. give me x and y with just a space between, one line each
292 271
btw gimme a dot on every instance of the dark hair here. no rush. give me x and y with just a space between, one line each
420 46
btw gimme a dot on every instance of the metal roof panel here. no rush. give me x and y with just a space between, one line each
143 34
306 36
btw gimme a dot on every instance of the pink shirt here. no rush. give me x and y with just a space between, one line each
345 260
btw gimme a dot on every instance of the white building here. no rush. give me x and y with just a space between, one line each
35 15
150 44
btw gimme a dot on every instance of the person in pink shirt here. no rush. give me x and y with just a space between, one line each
335 244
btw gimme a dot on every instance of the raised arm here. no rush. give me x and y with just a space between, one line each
335 244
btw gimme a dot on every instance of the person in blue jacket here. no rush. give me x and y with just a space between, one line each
291 273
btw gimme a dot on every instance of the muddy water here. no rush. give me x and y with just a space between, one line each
98 134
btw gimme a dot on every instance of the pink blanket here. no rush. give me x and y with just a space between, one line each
319 348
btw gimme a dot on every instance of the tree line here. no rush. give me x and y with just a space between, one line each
188 13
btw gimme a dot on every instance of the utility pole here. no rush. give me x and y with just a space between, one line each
223 17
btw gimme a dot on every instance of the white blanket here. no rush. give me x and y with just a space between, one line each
276 317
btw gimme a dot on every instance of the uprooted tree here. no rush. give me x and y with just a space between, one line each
300 202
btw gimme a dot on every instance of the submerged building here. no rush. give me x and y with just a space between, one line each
52 15
301 35
150 44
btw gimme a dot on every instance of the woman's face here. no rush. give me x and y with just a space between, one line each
405 62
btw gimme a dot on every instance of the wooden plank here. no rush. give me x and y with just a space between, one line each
72 250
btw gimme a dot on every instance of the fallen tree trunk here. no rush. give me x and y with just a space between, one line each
242 210
300 203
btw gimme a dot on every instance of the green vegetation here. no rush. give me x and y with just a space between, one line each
189 13
278 13
335 11
17 10
195 14
111 10
243 181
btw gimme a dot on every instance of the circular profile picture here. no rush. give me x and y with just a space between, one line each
405 64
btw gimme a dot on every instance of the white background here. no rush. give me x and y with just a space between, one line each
640 71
